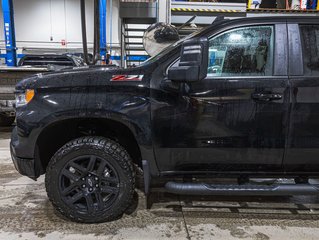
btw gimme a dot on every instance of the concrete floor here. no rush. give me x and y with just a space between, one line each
26 213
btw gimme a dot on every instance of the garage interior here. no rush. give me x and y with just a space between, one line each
41 36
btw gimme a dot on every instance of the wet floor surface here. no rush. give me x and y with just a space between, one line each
26 213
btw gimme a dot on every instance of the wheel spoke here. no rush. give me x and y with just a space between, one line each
89 203
91 164
99 199
69 189
70 175
110 190
110 180
79 168
76 197
101 168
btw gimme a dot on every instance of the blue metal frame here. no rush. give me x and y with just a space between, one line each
9 33
138 58
103 43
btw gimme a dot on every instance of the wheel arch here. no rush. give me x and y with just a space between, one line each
58 133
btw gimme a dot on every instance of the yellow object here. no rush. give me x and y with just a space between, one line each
29 95
318 5
249 4
204 10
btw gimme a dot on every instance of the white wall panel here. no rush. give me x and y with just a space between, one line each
113 25
32 20
58 20
73 21
45 23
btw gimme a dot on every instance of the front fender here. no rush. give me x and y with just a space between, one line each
30 129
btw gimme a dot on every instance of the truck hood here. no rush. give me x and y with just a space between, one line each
81 77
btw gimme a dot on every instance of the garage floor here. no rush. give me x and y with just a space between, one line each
26 213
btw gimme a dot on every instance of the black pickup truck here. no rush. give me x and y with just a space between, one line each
239 100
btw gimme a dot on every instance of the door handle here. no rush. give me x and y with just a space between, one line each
267 97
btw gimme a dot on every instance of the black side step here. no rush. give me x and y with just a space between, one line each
244 190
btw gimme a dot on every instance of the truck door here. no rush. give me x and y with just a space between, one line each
236 118
303 146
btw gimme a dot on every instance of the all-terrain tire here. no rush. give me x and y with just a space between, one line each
110 153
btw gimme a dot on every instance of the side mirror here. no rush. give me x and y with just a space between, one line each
193 63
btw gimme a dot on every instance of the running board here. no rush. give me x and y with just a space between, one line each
244 190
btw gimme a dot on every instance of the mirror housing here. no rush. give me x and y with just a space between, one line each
193 62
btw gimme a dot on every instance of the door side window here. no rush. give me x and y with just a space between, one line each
247 51
310 49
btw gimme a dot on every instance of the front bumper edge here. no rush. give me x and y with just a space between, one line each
25 167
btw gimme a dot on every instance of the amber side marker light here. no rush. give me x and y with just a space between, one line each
29 94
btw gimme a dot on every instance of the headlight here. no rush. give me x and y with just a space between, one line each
23 99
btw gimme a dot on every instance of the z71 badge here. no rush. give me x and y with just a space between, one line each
134 78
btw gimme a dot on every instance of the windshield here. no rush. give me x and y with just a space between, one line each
170 48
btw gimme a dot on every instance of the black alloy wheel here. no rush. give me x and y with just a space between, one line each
89 184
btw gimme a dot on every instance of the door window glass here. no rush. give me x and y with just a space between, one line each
244 51
310 48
